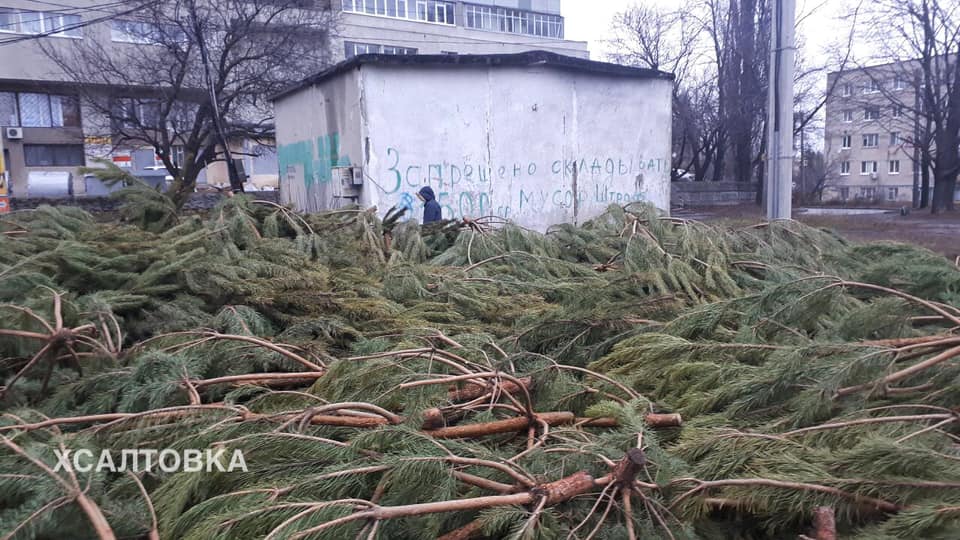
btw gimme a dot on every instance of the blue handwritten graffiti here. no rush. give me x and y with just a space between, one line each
406 201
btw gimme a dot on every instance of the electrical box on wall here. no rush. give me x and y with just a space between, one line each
348 177
349 181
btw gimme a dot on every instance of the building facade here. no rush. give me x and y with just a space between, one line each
453 27
870 127
47 131
40 115
533 137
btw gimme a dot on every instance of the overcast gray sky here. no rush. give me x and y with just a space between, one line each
590 20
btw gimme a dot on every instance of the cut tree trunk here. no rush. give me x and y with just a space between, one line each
824 524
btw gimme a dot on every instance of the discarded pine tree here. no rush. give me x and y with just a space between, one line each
478 381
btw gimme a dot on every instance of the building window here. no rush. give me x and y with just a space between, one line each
390 49
176 156
65 111
871 87
513 21
22 21
868 192
871 140
43 110
868 167
135 113
895 138
144 33
846 141
844 193
435 11
895 166
847 90
53 155
899 83
892 193
63 25
8 109
353 49
130 31
871 113
844 168
897 111
848 116
35 110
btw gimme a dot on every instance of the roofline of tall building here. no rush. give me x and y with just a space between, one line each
863 68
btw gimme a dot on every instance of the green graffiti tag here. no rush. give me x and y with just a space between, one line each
317 159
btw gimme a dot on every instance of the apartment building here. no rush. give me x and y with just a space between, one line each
47 131
40 117
453 27
869 129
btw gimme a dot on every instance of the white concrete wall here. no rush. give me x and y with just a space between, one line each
536 145
318 128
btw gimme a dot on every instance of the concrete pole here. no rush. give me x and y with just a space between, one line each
779 187
916 139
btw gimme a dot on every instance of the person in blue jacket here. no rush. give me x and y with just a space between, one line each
431 208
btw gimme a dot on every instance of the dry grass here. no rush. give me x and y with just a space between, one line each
938 233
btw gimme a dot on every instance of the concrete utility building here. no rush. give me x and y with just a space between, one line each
452 27
535 137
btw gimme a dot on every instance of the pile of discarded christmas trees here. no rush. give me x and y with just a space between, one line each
638 376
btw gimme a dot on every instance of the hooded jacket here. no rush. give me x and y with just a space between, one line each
431 208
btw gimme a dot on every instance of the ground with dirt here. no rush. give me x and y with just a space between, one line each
939 233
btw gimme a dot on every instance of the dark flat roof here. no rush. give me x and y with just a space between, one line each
530 58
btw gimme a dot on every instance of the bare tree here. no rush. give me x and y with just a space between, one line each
746 76
195 73
718 50
922 40
657 39
809 95
667 40
696 129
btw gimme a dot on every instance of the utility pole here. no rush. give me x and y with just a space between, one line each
916 140
779 187
236 185
803 154
4 182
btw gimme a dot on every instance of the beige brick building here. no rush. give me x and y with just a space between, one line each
870 127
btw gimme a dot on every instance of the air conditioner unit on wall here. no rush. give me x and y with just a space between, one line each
13 133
